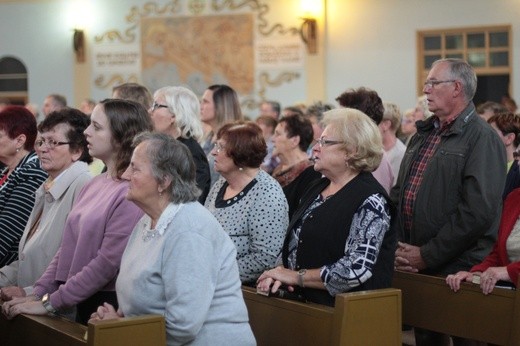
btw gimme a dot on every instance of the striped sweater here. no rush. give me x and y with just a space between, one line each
16 204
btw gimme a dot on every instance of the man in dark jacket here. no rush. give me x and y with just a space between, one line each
451 179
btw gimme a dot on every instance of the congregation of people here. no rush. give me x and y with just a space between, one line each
167 203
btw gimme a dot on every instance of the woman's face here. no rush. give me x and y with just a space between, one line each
207 107
99 135
143 189
223 162
282 143
163 121
408 125
7 147
330 159
55 160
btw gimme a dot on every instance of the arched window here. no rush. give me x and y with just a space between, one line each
13 80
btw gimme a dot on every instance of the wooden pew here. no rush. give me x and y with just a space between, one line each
358 318
429 303
29 330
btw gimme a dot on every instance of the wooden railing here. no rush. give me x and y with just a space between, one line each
358 318
29 330
429 303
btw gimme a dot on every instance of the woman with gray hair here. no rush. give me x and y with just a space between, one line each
179 262
175 112
340 238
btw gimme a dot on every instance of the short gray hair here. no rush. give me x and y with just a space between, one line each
185 106
460 69
170 158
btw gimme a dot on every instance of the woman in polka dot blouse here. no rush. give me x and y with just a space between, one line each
249 204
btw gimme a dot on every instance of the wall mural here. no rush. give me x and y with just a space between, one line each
175 44
198 51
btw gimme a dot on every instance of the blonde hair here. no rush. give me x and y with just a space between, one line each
392 113
361 137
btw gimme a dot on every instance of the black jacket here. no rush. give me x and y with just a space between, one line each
325 232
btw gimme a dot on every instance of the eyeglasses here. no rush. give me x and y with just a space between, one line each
327 142
218 147
50 143
433 83
157 105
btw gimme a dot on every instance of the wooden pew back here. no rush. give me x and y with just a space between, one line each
29 330
429 303
358 318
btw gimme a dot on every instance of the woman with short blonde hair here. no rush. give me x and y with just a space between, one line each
340 238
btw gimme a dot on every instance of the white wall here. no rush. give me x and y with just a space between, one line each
372 43
368 42
35 34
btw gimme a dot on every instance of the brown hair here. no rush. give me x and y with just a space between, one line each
17 120
244 143
507 123
126 119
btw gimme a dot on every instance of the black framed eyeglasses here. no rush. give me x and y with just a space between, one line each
158 105
50 143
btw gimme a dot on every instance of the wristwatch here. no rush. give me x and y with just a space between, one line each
301 273
47 304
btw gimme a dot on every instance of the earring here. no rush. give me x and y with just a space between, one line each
160 193
17 150
240 169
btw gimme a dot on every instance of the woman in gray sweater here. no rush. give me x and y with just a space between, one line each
178 263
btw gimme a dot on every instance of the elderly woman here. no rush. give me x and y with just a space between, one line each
63 154
292 137
83 272
248 202
340 238
19 178
178 263
176 112
219 106
421 112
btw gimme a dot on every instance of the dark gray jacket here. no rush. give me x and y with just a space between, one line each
457 207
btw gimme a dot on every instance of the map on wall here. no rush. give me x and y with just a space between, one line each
198 52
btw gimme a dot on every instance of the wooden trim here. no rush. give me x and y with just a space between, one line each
422 71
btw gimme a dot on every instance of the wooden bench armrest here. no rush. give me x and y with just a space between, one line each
147 330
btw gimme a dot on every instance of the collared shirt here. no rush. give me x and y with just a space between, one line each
419 166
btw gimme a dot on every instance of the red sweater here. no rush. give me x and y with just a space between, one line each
498 256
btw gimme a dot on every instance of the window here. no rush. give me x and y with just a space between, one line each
487 49
13 80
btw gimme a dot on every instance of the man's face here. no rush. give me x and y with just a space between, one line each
440 96
48 106
267 109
